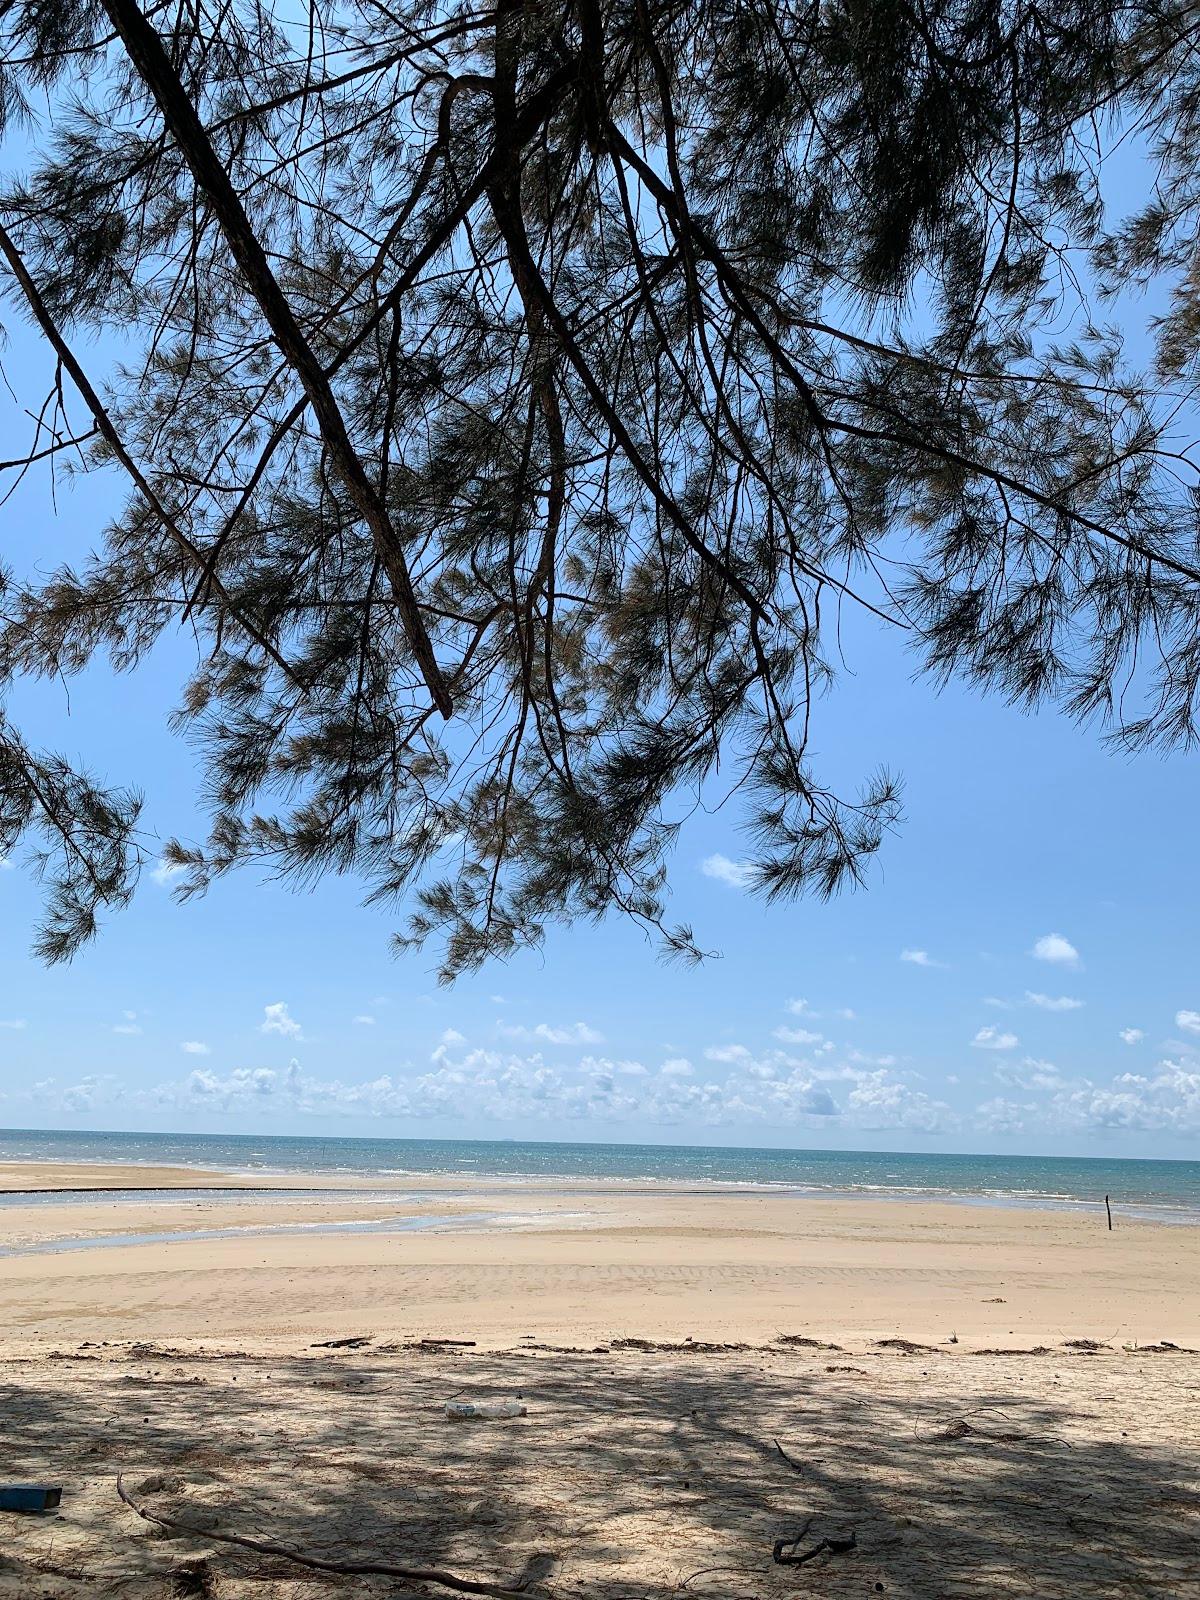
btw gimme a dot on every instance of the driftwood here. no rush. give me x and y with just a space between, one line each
342 1344
376 1569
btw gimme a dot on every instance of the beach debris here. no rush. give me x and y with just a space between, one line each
484 1410
787 1554
1033 1350
359 1569
946 1429
193 1580
162 1483
907 1347
859 1372
708 1572
791 1461
956 1428
1087 1346
996 1300
800 1341
355 1343
459 1344
29 1496
689 1347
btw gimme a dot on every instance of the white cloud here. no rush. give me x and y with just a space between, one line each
772 1092
363 1020
1189 1021
817 1101
5 864
797 1036
15 1023
195 1047
452 1036
1166 1102
127 1027
727 1052
1132 1035
920 958
845 1013
89 1093
1053 947
277 1019
1003 1116
166 872
880 1102
801 1008
570 1033
1047 1002
737 874
602 1066
990 1038
242 1085
1030 1073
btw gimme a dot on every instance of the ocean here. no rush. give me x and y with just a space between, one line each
1169 1190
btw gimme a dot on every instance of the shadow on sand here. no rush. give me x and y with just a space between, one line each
635 1474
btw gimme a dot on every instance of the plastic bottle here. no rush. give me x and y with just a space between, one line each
486 1410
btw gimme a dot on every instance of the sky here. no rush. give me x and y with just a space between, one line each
1020 974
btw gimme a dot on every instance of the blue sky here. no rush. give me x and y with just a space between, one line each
1021 974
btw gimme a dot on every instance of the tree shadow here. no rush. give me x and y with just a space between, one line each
634 1474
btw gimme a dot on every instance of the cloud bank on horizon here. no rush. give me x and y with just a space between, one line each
783 1079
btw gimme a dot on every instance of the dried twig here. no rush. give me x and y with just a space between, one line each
791 1461
379 1569
834 1546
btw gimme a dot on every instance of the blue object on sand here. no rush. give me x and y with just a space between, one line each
29 1496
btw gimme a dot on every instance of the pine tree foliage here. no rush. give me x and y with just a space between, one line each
514 398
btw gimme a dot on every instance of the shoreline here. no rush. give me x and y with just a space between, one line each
18 1180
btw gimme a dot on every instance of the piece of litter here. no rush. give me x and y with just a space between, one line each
486 1410
29 1496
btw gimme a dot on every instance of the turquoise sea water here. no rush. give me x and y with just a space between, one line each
1170 1188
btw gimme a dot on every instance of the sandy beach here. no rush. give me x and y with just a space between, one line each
993 1400
575 1263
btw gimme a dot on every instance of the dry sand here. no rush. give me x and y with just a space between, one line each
639 1470
579 1263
